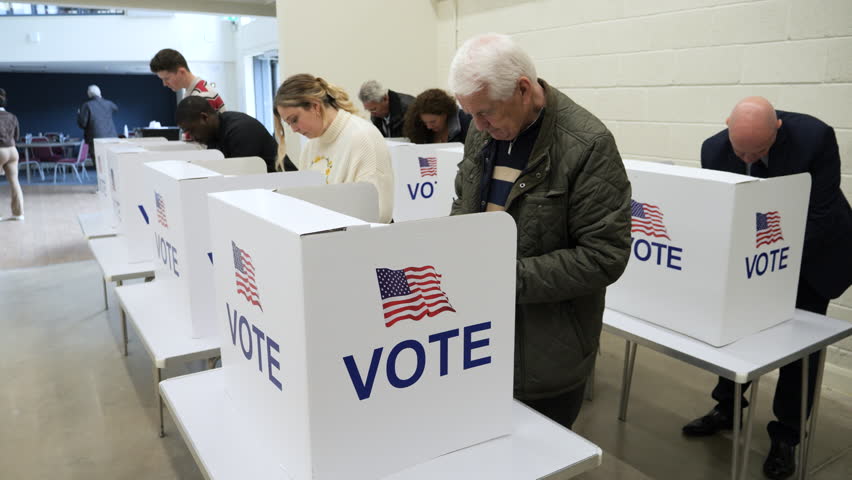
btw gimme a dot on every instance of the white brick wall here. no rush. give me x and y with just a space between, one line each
664 74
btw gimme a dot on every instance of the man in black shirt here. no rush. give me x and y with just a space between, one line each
235 134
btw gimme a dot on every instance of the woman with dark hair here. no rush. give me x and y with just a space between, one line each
434 117
9 133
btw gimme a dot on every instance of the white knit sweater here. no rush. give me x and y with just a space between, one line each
352 150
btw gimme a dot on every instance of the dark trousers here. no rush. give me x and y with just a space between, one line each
788 393
562 409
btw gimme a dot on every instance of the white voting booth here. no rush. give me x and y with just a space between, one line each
423 180
354 350
133 205
180 229
714 255
102 147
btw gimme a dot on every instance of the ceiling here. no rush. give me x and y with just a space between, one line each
258 8
115 68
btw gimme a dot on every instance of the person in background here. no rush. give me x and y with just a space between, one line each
387 108
434 117
170 67
95 118
10 131
555 168
235 134
765 143
342 146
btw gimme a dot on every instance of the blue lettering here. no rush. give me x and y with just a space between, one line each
175 261
444 338
636 249
270 361
763 256
660 248
749 268
423 190
672 257
258 333
363 389
167 253
414 193
470 345
393 378
233 324
248 353
761 263
247 343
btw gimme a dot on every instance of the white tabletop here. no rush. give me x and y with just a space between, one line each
111 254
152 311
95 225
538 447
745 359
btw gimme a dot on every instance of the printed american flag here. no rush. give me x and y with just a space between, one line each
428 166
244 272
647 219
411 293
768 227
161 210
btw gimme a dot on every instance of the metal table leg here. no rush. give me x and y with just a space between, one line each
752 412
738 414
159 376
106 298
627 377
809 439
124 329
123 322
803 411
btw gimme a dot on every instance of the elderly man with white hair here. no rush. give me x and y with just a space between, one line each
387 108
554 167
95 118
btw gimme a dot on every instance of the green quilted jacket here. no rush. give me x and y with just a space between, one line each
572 209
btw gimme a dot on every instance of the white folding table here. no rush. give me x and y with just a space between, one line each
95 225
167 339
745 360
537 448
111 255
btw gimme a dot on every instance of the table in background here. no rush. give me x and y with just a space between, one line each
745 360
95 225
154 314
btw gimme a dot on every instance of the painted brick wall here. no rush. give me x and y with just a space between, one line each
664 74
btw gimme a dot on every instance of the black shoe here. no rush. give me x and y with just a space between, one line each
709 424
781 461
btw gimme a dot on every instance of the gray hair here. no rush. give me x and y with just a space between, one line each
372 91
94 91
490 61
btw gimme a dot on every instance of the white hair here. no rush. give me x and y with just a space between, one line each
490 61
372 91
94 91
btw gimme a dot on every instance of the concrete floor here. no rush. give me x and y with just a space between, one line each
71 407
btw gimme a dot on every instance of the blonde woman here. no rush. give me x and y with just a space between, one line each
342 146
9 133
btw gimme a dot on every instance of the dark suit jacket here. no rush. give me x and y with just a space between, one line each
805 144
397 104
95 118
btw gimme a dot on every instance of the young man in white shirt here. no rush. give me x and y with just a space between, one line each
170 67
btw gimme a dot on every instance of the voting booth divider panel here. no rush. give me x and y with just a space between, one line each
132 204
179 232
423 180
355 350
714 255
